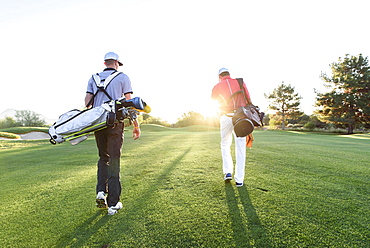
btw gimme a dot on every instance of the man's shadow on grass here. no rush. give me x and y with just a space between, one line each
91 226
247 228
84 231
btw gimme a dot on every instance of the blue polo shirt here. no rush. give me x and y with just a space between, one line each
119 86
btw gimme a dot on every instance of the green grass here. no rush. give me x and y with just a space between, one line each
302 190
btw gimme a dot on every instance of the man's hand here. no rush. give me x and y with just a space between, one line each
136 133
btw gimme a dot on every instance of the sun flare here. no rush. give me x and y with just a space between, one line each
210 108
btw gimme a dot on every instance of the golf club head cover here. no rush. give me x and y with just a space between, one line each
147 109
135 102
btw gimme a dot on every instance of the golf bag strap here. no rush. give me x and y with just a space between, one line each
240 81
105 92
102 86
234 94
241 91
103 83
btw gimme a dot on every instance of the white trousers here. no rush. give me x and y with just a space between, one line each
227 133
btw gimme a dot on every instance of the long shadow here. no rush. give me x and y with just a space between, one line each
86 230
153 187
258 233
241 238
83 232
252 233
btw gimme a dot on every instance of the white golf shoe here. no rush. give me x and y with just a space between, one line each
101 200
114 209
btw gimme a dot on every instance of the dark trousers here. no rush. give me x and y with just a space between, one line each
109 142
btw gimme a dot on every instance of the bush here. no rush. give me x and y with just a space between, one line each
8 122
277 123
310 125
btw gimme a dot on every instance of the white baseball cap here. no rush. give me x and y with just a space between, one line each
222 70
114 56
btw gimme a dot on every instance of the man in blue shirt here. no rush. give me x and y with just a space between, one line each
109 140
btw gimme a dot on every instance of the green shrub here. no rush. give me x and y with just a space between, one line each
8 122
310 125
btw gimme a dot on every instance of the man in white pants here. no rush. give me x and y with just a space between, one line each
223 92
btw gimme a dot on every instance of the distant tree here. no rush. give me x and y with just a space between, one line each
29 118
298 118
303 119
315 120
285 102
148 119
145 116
276 120
189 119
266 119
8 122
310 125
348 102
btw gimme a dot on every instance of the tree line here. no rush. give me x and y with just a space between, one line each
345 105
23 118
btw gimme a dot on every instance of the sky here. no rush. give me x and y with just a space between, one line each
172 50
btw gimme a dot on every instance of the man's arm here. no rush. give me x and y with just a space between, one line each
127 96
88 98
136 131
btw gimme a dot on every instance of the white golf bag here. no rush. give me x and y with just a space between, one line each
75 125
